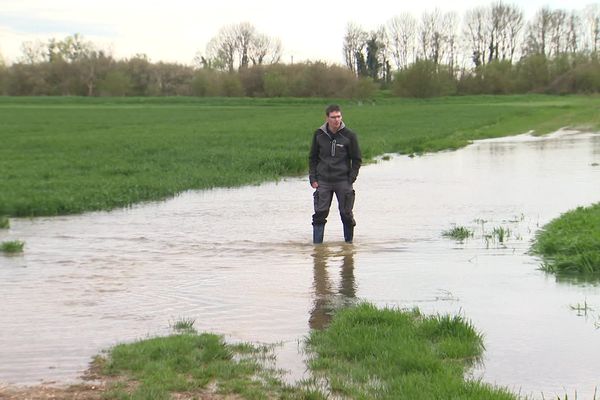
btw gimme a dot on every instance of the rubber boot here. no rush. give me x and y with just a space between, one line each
348 233
318 233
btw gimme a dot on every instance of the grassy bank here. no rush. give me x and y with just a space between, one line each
369 353
192 365
570 244
69 155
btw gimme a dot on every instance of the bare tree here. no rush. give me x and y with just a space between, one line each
237 45
401 35
33 52
355 42
539 33
592 13
437 35
506 23
558 32
477 32
264 50
515 21
222 48
244 35
429 36
450 27
573 32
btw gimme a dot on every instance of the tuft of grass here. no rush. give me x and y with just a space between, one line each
13 246
4 222
393 354
184 325
458 233
570 244
501 233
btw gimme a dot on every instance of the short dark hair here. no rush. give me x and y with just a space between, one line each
332 107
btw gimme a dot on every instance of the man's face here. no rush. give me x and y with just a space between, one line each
334 120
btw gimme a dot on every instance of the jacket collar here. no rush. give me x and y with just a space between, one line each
327 132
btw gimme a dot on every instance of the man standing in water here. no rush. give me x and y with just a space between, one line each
334 162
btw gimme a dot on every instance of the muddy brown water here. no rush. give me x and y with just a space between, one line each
240 263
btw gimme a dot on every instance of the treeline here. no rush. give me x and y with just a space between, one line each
74 67
491 49
102 75
533 74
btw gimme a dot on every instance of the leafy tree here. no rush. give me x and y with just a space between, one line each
422 79
115 83
206 82
139 70
533 73
276 81
373 63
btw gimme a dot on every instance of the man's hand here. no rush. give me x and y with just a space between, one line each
315 184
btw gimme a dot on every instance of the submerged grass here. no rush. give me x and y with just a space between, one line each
570 244
11 247
4 222
69 155
458 233
501 233
369 353
184 325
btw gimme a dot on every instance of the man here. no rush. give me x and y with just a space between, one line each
334 162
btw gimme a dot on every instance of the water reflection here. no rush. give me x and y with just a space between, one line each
328 297
577 280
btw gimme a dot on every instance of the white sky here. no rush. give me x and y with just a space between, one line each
175 30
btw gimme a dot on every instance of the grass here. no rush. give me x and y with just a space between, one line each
11 247
190 364
392 354
570 244
4 222
498 235
501 233
70 155
458 233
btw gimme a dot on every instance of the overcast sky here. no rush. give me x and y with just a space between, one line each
175 30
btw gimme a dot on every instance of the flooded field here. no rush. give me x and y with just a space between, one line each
240 262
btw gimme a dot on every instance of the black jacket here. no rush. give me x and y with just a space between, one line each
334 157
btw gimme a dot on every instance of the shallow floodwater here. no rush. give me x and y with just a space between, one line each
240 262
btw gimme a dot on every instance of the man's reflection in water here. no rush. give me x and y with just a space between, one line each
327 298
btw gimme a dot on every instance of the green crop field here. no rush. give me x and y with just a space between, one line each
69 155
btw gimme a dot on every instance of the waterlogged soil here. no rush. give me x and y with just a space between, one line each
240 263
